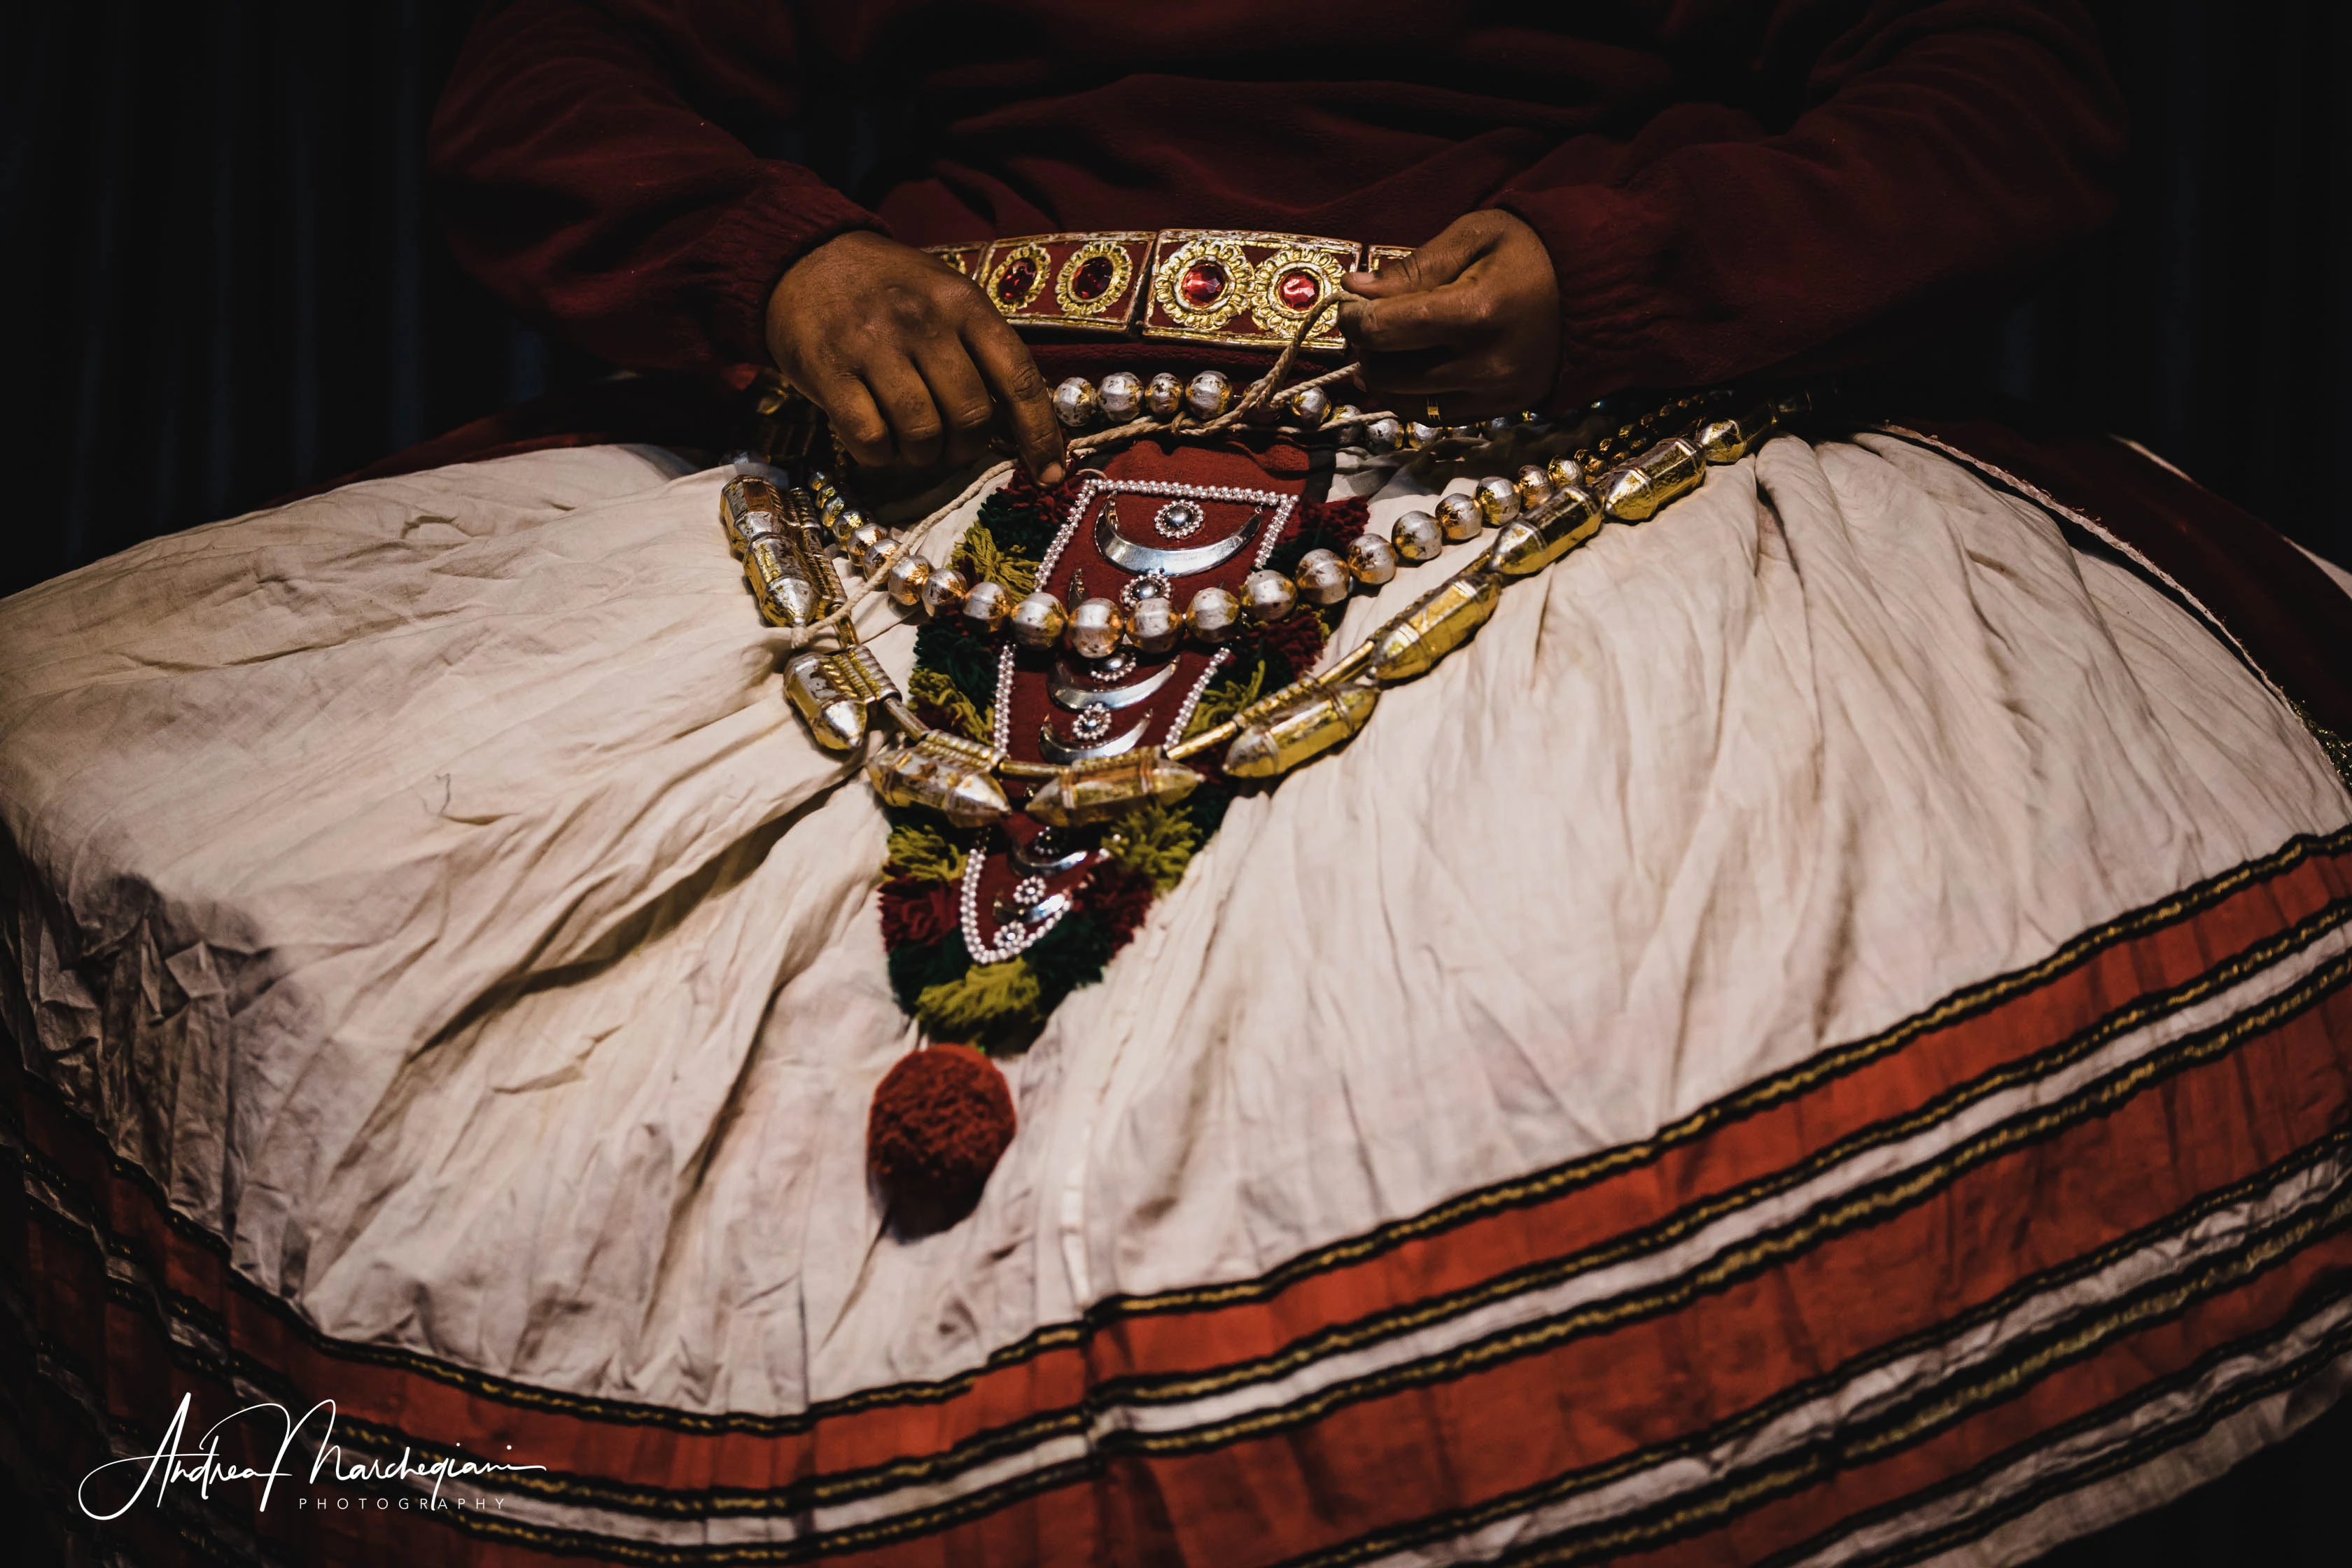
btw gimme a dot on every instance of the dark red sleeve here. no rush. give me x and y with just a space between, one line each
1948 150
581 175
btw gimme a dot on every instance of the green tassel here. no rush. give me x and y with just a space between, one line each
1155 841
964 660
919 967
1074 953
1024 530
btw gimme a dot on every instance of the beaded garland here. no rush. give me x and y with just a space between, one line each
1256 706
1000 997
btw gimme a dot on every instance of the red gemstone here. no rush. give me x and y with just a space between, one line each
1012 284
1299 288
1204 284
1093 276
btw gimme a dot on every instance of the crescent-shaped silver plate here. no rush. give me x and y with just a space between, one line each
1068 694
1057 749
1129 556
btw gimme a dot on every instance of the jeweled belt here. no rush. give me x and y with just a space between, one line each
1233 288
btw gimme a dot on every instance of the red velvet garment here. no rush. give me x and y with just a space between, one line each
1728 187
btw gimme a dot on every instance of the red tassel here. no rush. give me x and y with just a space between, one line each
941 1119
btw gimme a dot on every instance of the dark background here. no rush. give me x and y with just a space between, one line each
222 282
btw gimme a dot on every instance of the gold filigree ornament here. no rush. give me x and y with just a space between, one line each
1175 284
1278 282
1006 274
1122 273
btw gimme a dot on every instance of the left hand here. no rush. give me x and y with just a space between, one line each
1469 322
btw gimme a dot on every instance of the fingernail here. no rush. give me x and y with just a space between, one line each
1050 476
1354 281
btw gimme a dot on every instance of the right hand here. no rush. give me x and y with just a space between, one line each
907 358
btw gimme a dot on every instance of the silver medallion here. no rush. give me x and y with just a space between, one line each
1177 520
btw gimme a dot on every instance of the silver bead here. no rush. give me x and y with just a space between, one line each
1457 515
820 482
1154 625
1076 402
1096 626
1309 404
1417 537
1420 437
1500 426
944 592
863 542
1466 432
1206 394
1535 487
1268 595
906 578
1385 434
987 605
1164 397
1213 615
830 505
1563 473
1372 559
1346 411
1122 396
1497 500
1037 620
1323 578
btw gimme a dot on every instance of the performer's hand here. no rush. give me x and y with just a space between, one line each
906 357
1469 321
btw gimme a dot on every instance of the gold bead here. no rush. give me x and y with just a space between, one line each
1417 537
1534 486
866 538
1268 595
1213 615
987 607
1497 500
1095 628
904 582
1153 625
1206 394
1323 578
944 591
1372 560
1076 402
1457 515
1037 622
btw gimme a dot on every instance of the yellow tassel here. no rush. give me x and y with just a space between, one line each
924 854
1221 702
984 997
978 557
1155 842
933 687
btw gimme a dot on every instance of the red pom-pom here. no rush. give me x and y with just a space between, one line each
941 1119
